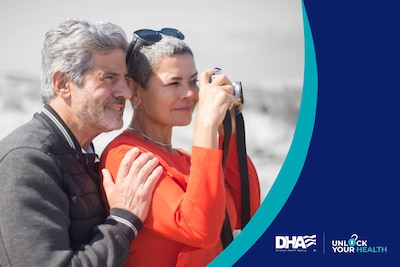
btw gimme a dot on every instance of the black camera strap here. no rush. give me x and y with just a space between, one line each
226 233
244 173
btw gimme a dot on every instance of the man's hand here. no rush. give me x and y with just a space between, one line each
135 182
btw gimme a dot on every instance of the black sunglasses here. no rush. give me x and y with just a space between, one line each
149 37
152 36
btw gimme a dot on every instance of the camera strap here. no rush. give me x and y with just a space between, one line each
243 168
226 233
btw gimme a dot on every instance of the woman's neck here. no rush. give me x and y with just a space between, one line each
157 139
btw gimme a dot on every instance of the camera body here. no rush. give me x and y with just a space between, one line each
237 89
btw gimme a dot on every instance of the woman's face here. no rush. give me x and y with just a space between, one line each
172 92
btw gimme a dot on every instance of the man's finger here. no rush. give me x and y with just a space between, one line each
153 178
108 183
142 166
126 162
147 168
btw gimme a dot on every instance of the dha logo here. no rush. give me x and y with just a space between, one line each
294 243
355 245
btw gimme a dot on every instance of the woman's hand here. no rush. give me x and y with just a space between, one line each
215 98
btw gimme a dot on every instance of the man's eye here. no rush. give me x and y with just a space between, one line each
109 78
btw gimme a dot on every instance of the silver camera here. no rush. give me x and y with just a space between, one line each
237 89
238 92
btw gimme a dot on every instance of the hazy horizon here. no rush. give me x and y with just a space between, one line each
257 41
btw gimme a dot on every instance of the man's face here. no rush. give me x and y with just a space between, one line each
100 102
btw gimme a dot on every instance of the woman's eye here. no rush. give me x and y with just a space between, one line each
173 84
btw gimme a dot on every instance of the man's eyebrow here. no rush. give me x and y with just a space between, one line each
110 73
114 74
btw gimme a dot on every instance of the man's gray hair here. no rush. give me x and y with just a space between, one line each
69 48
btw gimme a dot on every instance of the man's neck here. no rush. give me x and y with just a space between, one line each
84 134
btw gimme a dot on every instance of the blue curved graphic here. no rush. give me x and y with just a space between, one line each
294 162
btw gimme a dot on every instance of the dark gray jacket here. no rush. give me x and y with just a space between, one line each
52 212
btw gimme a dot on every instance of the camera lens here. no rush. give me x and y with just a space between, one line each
238 92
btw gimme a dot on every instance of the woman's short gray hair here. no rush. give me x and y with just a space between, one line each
143 59
69 48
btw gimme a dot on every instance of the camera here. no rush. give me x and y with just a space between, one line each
237 88
238 92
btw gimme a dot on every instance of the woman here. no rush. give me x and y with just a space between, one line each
189 203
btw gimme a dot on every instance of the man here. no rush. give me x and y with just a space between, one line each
52 209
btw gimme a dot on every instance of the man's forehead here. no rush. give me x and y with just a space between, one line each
113 62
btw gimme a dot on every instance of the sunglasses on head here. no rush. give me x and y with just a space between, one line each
152 36
149 37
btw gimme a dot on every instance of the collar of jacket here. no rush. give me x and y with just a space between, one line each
62 129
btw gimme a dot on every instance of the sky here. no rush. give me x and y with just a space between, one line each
258 42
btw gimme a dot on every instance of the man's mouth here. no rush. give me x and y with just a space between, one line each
117 107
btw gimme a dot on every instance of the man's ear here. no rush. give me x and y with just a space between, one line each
61 84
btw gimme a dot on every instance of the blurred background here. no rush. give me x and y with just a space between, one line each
257 42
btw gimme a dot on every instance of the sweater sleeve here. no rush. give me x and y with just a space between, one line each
232 174
35 220
201 211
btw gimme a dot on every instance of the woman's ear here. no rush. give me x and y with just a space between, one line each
61 84
134 86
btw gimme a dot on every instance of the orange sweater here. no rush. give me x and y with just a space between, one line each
188 207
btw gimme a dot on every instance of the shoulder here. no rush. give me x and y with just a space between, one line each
29 135
35 134
122 143
114 152
29 149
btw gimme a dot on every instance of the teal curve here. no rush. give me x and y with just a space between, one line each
292 166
